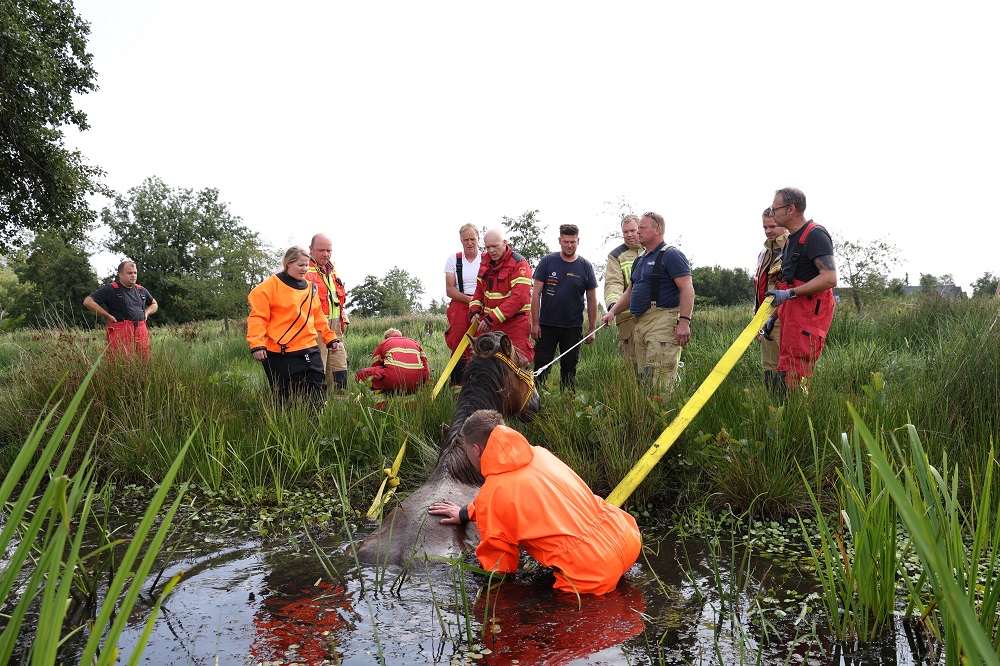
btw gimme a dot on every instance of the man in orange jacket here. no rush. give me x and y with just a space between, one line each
398 364
531 499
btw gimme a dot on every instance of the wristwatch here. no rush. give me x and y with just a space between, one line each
791 294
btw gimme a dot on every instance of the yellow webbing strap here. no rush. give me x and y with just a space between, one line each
523 375
453 361
691 407
391 479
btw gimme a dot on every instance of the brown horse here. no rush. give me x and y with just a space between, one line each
495 378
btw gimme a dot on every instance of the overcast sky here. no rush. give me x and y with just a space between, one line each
389 125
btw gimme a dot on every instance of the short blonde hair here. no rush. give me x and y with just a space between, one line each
466 227
391 333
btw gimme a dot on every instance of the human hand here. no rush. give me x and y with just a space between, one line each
768 327
590 336
607 318
780 296
536 332
448 509
260 354
682 332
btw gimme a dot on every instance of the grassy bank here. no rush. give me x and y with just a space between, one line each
933 363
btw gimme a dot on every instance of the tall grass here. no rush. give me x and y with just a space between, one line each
937 361
48 571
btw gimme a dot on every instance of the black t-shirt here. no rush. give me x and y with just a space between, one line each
564 286
124 304
798 259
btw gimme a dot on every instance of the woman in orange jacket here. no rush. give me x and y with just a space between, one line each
533 500
285 318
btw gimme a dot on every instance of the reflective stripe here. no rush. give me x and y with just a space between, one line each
404 352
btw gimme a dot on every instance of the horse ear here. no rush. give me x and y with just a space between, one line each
506 346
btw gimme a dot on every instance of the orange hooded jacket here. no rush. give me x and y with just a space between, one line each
534 500
285 318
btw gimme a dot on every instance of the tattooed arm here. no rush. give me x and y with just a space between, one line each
827 278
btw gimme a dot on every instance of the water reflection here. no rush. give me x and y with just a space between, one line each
535 624
248 603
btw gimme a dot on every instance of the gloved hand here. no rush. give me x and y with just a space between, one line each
768 327
780 296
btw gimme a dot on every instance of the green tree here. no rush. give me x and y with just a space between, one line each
525 234
11 290
714 285
55 277
928 280
43 63
863 266
985 286
197 259
396 294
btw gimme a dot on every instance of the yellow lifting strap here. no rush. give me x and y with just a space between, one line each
391 479
691 407
453 361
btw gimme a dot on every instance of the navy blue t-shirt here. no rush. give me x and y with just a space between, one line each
124 304
564 286
673 265
798 259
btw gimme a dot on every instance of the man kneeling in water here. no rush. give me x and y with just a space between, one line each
556 518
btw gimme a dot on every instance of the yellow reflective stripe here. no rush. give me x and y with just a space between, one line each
525 308
400 364
479 303
499 315
495 295
520 280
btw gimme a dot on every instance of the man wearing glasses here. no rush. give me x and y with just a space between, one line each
661 297
804 294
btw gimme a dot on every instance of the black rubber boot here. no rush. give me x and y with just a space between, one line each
340 380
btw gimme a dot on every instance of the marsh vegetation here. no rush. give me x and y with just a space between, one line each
880 478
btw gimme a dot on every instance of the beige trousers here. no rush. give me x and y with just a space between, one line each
656 350
769 348
626 339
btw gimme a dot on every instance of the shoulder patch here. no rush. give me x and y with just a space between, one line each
618 250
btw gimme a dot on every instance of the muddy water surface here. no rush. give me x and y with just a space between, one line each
690 601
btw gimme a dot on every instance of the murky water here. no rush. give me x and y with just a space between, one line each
686 602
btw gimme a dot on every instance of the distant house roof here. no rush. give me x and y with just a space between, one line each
946 290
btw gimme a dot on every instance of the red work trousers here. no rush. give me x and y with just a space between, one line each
128 337
518 329
804 325
458 324
393 379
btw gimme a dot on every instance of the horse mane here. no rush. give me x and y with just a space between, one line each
482 388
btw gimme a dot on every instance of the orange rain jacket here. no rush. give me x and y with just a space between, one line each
284 318
534 500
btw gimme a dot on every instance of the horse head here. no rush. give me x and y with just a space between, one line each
518 392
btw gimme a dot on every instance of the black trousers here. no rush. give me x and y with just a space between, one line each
545 351
299 373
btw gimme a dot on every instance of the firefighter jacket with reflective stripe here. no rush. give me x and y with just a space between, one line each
402 353
532 499
285 315
617 276
331 290
503 289
768 267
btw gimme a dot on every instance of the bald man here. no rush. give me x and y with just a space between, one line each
502 301
333 298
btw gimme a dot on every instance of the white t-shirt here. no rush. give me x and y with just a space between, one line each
470 269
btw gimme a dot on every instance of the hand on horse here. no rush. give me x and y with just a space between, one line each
448 509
